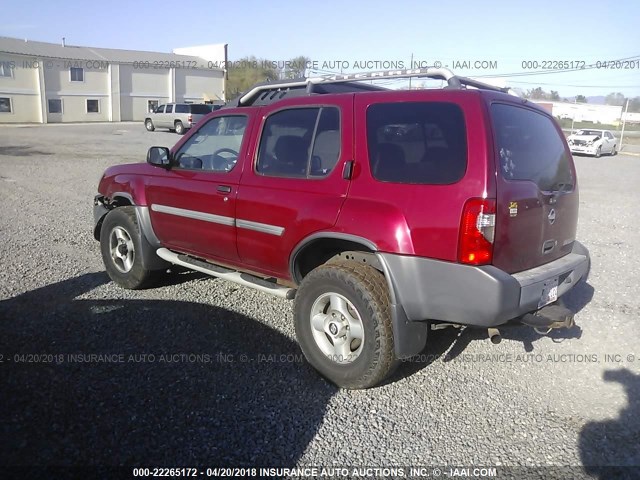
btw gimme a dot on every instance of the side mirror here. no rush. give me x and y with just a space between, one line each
159 156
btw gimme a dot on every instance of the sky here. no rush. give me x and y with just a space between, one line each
509 37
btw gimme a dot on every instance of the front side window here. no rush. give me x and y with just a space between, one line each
5 105
300 143
77 74
160 109
417 142
93 106
55 105
530 148
215 147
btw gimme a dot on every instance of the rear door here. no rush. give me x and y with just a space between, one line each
296 186
537 196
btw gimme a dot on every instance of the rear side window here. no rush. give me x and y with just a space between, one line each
530 148
417 142
200 109
169 109
300 142
182 108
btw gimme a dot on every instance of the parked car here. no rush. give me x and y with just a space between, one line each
383 213
178 117
592 142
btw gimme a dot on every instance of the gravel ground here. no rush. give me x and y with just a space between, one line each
202 372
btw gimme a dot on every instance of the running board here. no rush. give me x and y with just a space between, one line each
227 274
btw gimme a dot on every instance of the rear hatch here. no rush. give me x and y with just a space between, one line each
537 195
198 111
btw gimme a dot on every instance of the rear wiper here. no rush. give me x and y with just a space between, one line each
561 187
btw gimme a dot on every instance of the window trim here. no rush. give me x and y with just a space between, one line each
70 76
86 104
315 129
174 155
49 112
10 106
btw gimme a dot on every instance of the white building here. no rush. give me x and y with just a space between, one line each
583 112
45 82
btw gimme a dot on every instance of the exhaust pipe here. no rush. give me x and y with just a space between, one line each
494 335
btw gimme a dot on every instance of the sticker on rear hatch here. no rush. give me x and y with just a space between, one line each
513 209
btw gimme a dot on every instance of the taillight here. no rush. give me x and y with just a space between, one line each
477 230
190 119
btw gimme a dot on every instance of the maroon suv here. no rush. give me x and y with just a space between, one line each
384 213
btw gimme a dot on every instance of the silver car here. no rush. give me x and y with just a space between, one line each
588 141
178 117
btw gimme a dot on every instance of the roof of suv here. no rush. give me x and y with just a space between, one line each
266 93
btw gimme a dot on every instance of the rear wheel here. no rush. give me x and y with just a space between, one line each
343 324
121 247
149 125
179 128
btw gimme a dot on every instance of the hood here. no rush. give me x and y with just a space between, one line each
587 138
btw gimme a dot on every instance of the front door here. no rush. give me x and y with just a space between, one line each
193 204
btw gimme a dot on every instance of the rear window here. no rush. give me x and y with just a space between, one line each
200 109
417 142
530 148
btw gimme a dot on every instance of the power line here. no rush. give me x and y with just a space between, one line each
597 65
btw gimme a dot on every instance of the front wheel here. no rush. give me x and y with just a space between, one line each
149 125
614 152
343 324
598 152
121 247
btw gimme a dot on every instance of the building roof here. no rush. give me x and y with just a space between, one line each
72 52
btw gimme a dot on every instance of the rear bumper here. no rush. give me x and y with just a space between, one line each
477 296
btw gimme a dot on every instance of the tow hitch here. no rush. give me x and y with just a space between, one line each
549 317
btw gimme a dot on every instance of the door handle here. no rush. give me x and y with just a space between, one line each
224 189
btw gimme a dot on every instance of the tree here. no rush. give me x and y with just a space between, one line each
581 99
616 99
537 94
554 95
296 67
634 105
247 71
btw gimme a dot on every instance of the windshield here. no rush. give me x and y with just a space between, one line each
588 132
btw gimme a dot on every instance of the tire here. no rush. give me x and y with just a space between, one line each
179 128
340 295
121 247
149 125
614 152
598 152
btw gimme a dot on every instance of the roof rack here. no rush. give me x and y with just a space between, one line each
268 92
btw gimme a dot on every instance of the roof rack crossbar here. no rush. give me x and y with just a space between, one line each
452 80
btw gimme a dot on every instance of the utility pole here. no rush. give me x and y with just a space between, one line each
410 66
624 119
